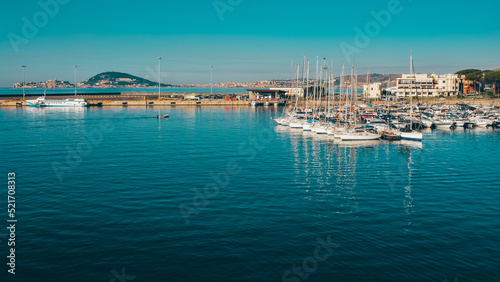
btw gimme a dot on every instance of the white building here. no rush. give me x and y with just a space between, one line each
373 91
427 85
448 84
291 91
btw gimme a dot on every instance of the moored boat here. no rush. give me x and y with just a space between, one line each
43 102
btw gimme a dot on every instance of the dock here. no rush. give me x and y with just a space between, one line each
143 99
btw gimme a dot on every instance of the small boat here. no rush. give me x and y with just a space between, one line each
483 121
413 135
442 123
391 136
163 116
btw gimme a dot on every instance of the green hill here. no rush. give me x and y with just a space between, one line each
120 79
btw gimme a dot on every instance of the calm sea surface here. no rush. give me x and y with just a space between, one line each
222 194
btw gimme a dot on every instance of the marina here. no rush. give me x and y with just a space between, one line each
342 114
242 141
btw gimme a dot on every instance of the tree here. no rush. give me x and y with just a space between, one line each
471 74
492 77
482 77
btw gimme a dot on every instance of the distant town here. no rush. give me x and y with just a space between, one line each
375 86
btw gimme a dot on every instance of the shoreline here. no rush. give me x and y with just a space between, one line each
151 99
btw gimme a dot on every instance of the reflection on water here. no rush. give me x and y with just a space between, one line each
405 150
329 170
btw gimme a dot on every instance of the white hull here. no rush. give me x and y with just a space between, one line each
442 123
42 102
359 136
482 124
427 123
416 136
295 125
321 130
306 127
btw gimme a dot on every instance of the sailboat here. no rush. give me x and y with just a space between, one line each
356 134
411 134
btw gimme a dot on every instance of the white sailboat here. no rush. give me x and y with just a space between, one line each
412 135
356 134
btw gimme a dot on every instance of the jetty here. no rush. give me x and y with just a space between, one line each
149 99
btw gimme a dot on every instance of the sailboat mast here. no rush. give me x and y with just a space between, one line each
306 91
368 88
412 76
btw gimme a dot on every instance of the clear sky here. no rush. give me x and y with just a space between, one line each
245 40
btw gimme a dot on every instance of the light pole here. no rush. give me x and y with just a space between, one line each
211 81
23 66
159 77
75 79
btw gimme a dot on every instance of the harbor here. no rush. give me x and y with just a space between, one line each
340 112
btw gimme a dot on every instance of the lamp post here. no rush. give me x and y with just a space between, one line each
159 77
23 66
211 81
75 79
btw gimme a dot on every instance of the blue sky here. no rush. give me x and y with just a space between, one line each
244 40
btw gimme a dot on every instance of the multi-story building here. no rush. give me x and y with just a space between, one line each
468 87
373 91
428 85
447 84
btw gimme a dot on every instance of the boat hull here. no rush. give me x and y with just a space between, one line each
359 137
415 136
